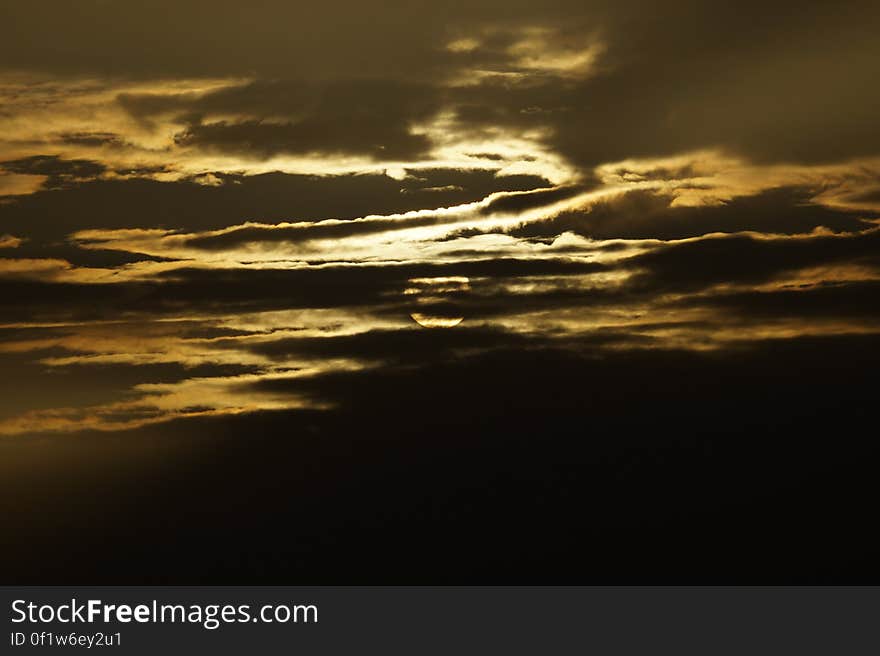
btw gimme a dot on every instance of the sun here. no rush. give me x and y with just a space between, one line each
431 321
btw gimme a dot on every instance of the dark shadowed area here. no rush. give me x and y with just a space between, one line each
531 465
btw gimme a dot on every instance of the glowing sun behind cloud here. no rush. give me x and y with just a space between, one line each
429 321
434 295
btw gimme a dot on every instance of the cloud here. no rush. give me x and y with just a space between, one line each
38 386
14 184
188 205
390 346
184 290
276 118
495 452
10 241
56 171
497 203
519 202
652 214
658 83
329 229
684 80
745 259
845 302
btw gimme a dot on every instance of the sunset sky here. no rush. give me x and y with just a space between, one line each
454 229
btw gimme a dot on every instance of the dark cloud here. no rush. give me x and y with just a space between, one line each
271 197
749 259
693 75
645 214
516 203
91 138
188 290
58 171
324 230
692 266
502 203
38 386
334 39
370 118
319 135
866 196
78 257
842 301
683 267
420 347
794 83
534 462
400 345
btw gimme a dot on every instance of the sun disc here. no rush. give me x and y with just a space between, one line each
431 321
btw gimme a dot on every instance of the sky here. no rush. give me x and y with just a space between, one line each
477 264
